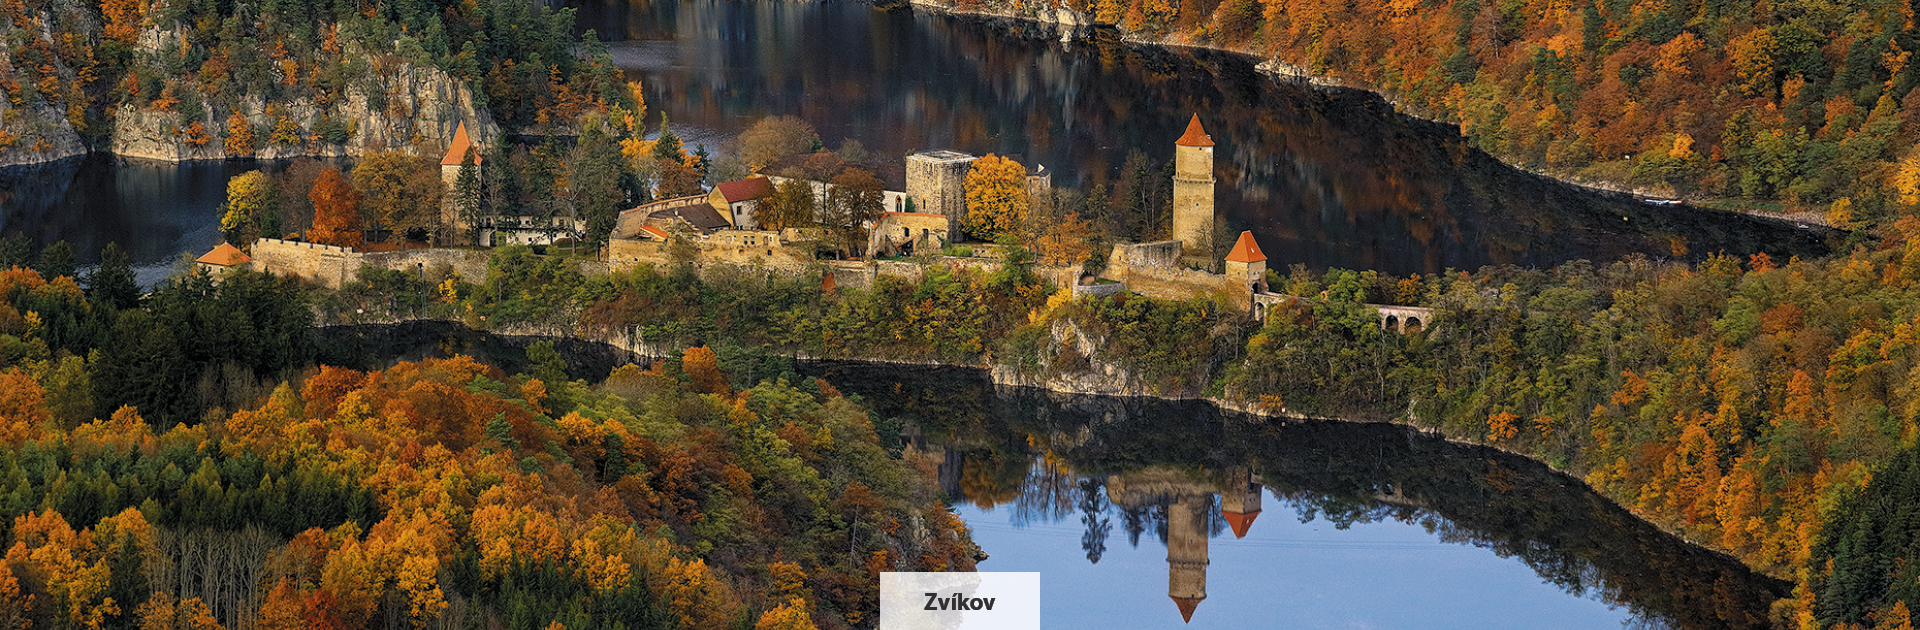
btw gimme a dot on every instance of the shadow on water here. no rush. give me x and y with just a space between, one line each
1166 456
1322 177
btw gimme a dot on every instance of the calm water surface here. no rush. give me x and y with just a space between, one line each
1302 524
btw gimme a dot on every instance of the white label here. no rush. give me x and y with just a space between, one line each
960 601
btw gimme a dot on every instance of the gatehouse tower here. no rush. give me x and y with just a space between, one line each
1193 190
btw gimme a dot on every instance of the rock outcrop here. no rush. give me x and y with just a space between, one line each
407 106
1070 362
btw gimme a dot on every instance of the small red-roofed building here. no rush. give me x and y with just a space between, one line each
450 164
737 200
222 260
1247 263
1240 500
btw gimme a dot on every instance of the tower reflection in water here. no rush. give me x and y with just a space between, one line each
1194 512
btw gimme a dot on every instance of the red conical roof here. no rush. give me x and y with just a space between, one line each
1186 605
224 255
1245 250
1240 521
827 283
457 150
1196 136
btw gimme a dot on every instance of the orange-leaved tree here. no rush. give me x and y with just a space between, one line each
23 414
336 210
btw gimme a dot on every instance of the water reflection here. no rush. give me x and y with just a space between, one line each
1322 177
1183 474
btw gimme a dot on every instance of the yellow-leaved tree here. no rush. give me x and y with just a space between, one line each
996 197
250 209
789 616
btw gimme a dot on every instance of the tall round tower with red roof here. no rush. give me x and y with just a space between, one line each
1193 190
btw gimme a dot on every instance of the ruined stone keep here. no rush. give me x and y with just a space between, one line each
937 183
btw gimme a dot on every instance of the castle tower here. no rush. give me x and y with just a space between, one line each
450 173
1240 500
937 184
1187 553
1193 189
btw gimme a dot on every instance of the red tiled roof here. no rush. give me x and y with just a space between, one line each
1246 251
827 283
1196 136
655 231
224 255
1186 604
457 150
1240 521
928 215
746 189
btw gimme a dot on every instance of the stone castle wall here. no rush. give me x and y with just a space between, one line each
1153 269
333 267
321 264
768 251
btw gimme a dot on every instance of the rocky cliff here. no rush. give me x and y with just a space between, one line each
36 116
401 106
1070 361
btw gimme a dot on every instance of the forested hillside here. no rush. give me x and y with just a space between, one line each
185 79
181 460
1808 103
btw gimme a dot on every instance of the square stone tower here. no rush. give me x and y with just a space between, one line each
1247 263
937 184
1193 190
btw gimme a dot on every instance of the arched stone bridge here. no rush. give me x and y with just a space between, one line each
1403 319
1400 319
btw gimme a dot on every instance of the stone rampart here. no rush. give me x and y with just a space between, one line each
332 266
471 264
1156 255
321 264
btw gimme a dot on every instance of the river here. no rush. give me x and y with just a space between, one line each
1301 524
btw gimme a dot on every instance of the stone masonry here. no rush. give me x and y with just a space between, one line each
937 183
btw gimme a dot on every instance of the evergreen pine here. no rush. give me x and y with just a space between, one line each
56 261
113 282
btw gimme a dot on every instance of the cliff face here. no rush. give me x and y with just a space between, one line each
404 106
36 125
1071 362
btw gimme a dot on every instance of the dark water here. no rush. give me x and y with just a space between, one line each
1322 178
153 210
1355 525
